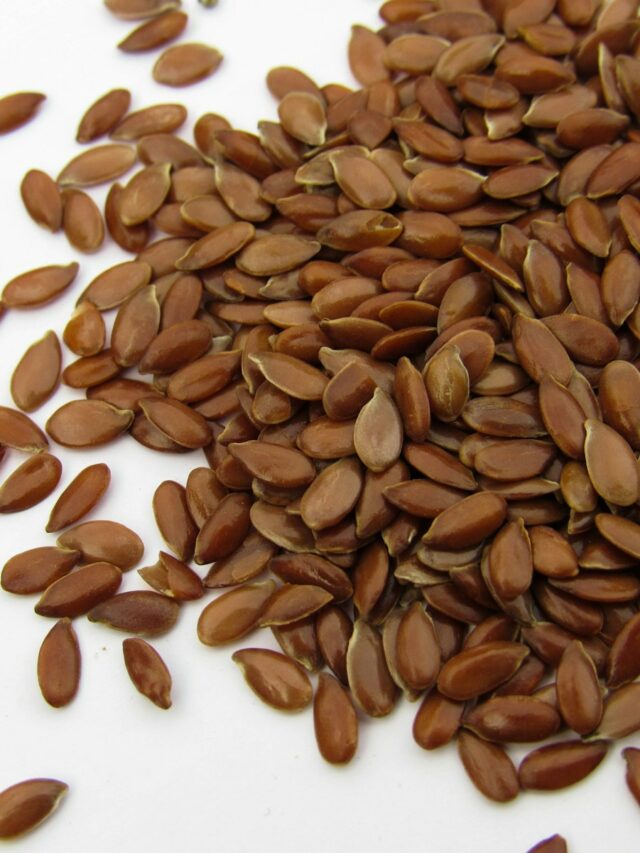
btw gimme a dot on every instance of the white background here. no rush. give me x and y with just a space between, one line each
219 771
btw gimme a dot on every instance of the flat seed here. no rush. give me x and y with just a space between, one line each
302 116
559 765
147 671
335 721
468 522
417 649
135 327
87 423
138 612
115 285
274 678
42 200
217 246
176 346
174 521
275 254
519 719
234 614
477 670
104 540
280 466
39 286
225 529
578 690
76 593
82 221
37 374
563 417
160 118
291 375
371 685
621 715
155 33
437 721
332 495
18 109
611 464
144 194
622 662
185 63
632 757
315 570
246 563
178 422
36 569
139 9
97 166
378 432
489 767
103 115
59 664
552 555
553 844
25 805
292 602
30 483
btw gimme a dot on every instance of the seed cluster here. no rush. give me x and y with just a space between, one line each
403 325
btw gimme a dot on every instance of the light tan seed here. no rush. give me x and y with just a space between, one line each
38 286
25 805
611 464
97 166
559 765
30 483
42 200
489 767
37 374
378 432
87 423
104 540
155 33
234 614
274 678
186 63
18 109
59 664
335 721
147 671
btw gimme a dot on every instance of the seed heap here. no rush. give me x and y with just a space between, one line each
403 324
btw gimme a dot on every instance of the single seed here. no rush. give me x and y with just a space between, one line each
147 671
59 664
25 805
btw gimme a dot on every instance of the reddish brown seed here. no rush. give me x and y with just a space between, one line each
155 33
611 464
559 765
59 664
332 495
234 614
378 432
553 844
489 767
139 9
632 757
103 115
335 721
621 715
468 522
76 593
18 109
292 602
224 530
37 374
25 805
312 569
30 483
480 669
578 690
623 660
274 678
82 221
39 286
437 721
41 197
104 540
87 423
36 569
371 685
147 671
173 518
510 561
178 422
412 400
138 612
417 649
518 719
186 63
280 466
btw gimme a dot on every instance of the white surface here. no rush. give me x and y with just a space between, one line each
219 771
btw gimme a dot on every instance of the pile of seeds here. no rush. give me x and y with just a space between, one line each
402 324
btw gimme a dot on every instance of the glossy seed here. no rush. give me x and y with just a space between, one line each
36 569
18 109
59 664
378 432
274 678
97 165
559 765
489 767
147 671
477 670
371 685
25 805
41 197
335 721
234 614
76 593
37 374
30 483
578 690
87 423
139 612
517 719
39 286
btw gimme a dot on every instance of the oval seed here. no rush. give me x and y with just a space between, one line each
138 612
378 432
173 518
76 593
104 540
155 32
97 166
371 684
274 678
578 691
480 669
185 63
36 569
225 529
335 721
37 374
467 522
417 649
25 805
519 719
622 662
82 221
559 765
332 495
41 197
37 287
18 109
59 664
611 464
280 466
234 614
144 194
489 768
103 115
87 423
30 483
147 671
80 496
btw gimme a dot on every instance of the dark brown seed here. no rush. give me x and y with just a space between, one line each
335 721
147 671
25 805
41 197
274 678
138 612
37 374
559 765
104 540
59 664
36 569
489 767
18 109
578 690
76 593
30 483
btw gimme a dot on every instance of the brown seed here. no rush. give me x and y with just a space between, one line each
139 9
147 671
144 193
135 327
18 109
30 483
59 664
246 563
174 521
104 540
412 400
217 246
178 422
559 765
312 569
160 118
468 522
234 614
225 529
39 286
447 382
155 33
578 690
36 569
489 767
622 662
332 495
292 602
335 721
371 685
632 757
138 612
280 466
621 715
291 375
76 593
611 464
103 115
274 678
186 63
87 423
378 432
510 565
25 805
480 669
41 197
131 239
82 221
519 719
417 649
553 844
37 374
96 166
437 721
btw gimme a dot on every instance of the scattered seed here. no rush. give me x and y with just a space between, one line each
25 805
59 664
147 671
